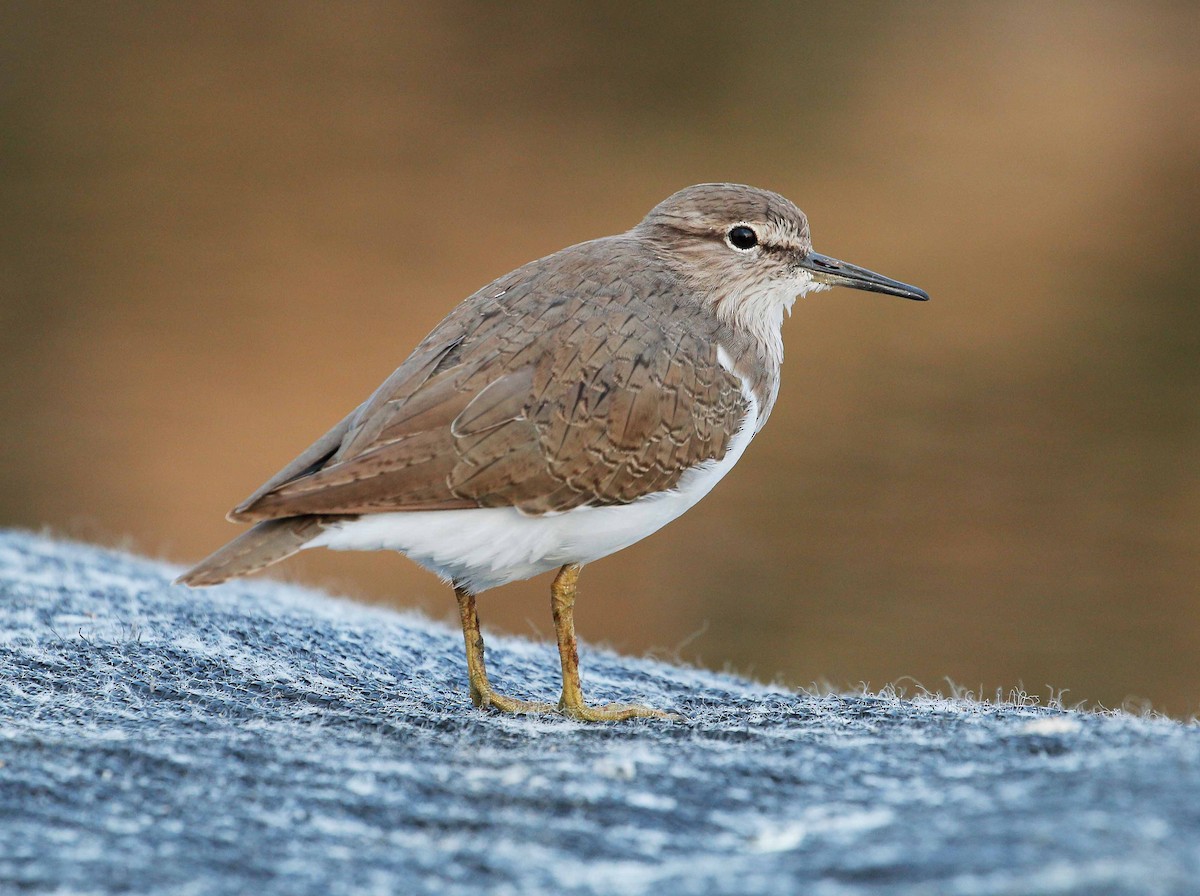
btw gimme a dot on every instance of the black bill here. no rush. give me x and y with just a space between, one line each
838 273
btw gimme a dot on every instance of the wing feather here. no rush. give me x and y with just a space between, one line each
542 392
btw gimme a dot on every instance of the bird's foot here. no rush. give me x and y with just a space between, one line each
613 712
582 712
486 698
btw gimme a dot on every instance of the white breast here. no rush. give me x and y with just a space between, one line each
485 547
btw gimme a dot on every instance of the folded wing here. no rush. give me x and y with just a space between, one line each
542 392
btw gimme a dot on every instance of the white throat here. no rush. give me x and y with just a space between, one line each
760 309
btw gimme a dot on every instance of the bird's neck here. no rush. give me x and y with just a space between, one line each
745 319
749 332
755 362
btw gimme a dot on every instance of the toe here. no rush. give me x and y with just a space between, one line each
616 712
493 700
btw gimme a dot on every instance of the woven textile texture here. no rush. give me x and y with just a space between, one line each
261 738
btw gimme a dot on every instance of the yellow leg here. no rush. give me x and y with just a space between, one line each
562 602
482 694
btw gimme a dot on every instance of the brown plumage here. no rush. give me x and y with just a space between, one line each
599 396
602 376
584 402
264 544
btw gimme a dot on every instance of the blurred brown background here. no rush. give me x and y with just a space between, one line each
223 225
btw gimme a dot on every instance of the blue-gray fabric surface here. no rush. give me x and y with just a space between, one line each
260 738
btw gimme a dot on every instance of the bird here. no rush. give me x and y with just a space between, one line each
561 413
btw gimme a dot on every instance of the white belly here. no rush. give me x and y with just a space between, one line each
485 547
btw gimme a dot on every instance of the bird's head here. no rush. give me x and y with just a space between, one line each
750 252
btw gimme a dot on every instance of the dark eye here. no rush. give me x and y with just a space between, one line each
743 237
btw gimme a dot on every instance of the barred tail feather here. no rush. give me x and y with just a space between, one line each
254 549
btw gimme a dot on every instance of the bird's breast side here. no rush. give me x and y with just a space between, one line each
561 386
491 546
627 403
